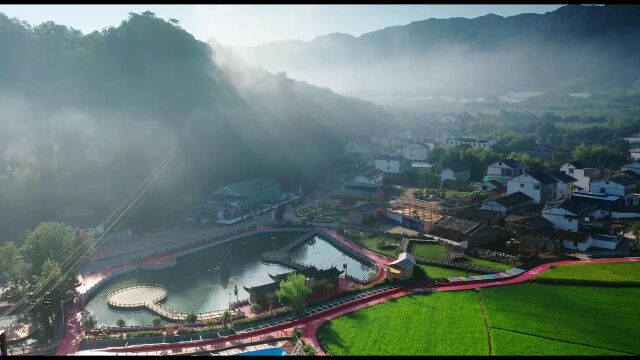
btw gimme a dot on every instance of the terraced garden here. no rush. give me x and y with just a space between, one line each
524 319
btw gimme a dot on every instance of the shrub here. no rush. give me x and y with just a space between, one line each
121 323
156 321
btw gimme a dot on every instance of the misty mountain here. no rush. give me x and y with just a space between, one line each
85 118
572 49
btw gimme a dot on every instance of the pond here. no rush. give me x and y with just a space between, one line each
199 282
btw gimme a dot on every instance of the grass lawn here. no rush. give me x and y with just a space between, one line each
525 319
371 243
615 272
436 272
436 324
428 250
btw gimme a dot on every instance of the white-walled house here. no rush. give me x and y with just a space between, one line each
566 215
390 164
373 176
455 173
583 241
508 203
415 152
619 185
566 184
581 173
504 170
538 185
471 141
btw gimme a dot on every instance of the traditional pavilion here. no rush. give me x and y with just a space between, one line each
317 280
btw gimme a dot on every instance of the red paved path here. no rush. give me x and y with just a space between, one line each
311 323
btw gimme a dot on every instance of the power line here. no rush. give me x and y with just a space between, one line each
119 213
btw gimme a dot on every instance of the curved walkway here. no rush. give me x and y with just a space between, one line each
311 324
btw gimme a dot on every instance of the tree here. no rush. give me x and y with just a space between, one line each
121 323
279 214
296 333
255 308
635 229
226 317
294 292
89 322
156 321
309 350
191 318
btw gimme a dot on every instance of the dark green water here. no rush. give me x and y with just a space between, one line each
197 283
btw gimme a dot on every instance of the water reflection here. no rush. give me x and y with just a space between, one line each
205 281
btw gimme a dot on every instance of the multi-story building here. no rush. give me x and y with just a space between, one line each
539 186
504 170
581 173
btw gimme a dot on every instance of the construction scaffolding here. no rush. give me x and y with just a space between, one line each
429 211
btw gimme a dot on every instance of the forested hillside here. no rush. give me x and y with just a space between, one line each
86 117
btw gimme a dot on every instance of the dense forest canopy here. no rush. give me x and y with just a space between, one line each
86 117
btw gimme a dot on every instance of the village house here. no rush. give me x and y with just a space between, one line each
390 164
455 173
421 167
365 213
466 232
565 215
504 170
508 203
530 231
350 193
373 177
483 216
402 268
470 141
581 173
241 198
584 241
619 185
566 184
493 185
634 154
634 166
538 185
430 144
415 152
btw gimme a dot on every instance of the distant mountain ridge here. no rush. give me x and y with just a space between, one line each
580 48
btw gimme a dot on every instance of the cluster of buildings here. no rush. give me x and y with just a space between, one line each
574 207
400 152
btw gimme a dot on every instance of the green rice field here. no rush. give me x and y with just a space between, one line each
523 319
614 272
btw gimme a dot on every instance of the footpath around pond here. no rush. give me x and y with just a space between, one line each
311 324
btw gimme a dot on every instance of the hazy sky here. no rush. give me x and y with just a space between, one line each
257 24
